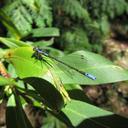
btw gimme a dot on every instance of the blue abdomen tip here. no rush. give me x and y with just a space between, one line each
90 76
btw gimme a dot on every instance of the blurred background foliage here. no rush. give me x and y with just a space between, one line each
99 26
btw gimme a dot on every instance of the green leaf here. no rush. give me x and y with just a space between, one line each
103 69
83 115
12 43
76 39
15 115
110 8
34 94
104 25
23 14
7 22
75 9
45 32
24 64
50 95
11 70
112 121
44 43
11 101
22 22
79 112
5 81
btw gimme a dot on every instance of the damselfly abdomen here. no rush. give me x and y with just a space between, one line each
39 53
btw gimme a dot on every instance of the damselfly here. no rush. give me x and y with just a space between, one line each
38 52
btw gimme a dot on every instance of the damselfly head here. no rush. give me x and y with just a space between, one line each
35 48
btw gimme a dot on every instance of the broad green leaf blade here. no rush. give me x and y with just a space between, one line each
45 32
8 43
15 116
43 43
24 64
51 97
82 115
104 70
12 43
5 81
78 111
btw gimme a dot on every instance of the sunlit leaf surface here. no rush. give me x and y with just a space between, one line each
103 69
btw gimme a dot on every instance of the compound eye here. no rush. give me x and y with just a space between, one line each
35 48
